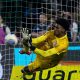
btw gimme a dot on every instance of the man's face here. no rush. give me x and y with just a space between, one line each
58 30
42 18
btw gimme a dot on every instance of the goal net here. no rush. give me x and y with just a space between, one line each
38 16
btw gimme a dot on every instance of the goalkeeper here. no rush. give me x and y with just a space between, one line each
50 48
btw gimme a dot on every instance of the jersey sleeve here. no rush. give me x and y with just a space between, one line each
42 38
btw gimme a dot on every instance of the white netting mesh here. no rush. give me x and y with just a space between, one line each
25 13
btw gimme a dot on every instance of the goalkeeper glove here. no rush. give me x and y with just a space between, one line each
27 39
30 44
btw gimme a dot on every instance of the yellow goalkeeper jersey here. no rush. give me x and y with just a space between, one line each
45 42
46 52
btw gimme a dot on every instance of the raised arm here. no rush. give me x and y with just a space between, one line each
42 38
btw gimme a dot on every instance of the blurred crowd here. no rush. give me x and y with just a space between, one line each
38 19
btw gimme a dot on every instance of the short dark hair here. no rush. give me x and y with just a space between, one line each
64 23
